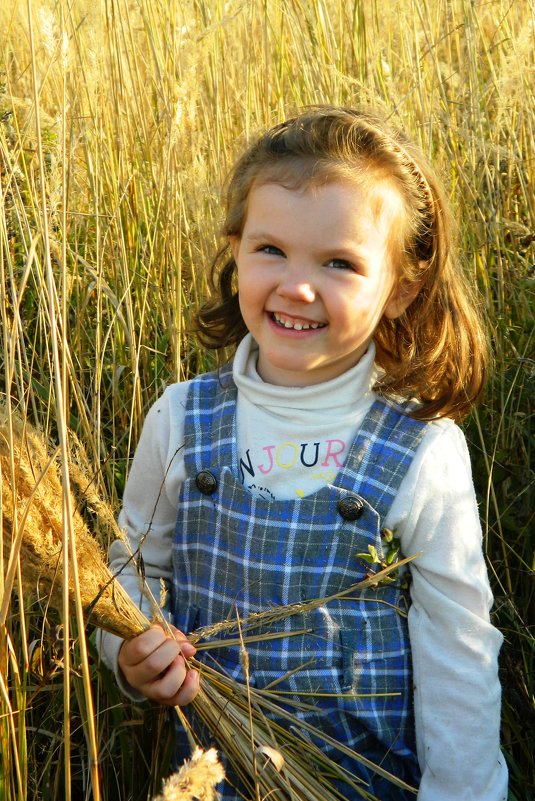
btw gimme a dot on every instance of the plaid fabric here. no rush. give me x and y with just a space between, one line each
236 553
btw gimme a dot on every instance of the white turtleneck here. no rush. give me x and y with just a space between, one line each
290 442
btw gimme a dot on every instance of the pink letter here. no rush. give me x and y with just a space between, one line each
332 453
269 449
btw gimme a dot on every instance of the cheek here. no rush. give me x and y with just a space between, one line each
250 298
242 280
364 308
252 285
245 286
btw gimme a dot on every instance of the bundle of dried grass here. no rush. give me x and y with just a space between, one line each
271 760
32 528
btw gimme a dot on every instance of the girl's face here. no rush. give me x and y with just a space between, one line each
315 277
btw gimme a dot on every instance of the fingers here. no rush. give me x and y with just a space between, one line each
187 691
140 648
135 651
154 664
187 647
177 685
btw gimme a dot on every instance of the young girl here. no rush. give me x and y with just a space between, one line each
329 440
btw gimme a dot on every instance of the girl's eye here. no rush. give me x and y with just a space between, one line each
341 264
271 250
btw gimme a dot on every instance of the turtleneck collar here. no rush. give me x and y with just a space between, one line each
342 392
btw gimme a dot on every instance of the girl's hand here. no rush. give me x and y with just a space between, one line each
154 664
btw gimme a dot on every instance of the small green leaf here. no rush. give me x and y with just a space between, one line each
387 534
372 557
373 553
366 557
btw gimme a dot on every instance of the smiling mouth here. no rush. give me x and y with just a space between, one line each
296 325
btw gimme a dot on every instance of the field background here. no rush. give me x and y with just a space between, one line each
118 122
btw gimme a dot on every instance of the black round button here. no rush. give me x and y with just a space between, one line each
350 507
206 482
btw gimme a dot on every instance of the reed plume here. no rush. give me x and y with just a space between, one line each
196 780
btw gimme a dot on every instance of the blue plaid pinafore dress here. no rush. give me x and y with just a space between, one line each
234 553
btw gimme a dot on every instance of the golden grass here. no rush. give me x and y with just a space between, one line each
109 211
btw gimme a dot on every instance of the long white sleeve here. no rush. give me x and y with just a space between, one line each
148 513
454 645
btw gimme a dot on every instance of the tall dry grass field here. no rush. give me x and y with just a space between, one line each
118 122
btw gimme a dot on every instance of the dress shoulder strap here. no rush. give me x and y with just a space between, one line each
209 422
381 453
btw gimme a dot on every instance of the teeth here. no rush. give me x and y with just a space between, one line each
296 326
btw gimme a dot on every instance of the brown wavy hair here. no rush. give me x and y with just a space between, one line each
435 352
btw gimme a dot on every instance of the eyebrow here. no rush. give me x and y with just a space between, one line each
261 235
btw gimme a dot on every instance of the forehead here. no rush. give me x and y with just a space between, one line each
342 206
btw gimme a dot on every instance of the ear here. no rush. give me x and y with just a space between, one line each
234 243
402 297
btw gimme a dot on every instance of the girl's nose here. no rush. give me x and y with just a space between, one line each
296 285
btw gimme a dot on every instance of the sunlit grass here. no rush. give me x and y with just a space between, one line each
109 220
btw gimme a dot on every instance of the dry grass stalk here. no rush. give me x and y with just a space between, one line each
238 717
196 780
